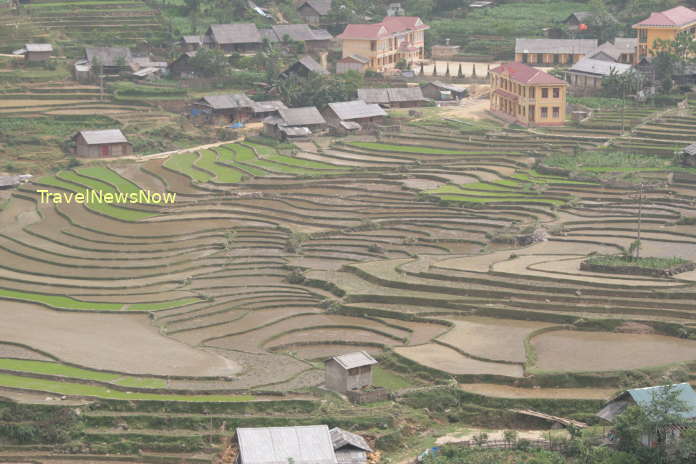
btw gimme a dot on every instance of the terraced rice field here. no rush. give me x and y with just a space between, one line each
269 261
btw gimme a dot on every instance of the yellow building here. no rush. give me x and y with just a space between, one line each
385 44
527 96
664 25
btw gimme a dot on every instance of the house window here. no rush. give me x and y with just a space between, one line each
556 112
643 35
532 92
544 112
544 92
556 93
373 45
353 371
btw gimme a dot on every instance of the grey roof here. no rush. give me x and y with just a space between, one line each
310 444
312 65
626 43
608 49
108 56
378 95
446 86
405 94
268 34
300 32
351 456
9 181
358 58
690 149
581 16
238 33
268 106
342 438
227 102
350 125
99 137
599 67
574 46
643 397
307 115
298 131
192 39
353 360
320 6
356 109
38 47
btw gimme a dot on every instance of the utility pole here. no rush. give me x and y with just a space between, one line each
623 102
101 83
640 218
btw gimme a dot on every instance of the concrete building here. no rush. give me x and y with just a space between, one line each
351 371
384 44
101 143
527 96
550 52
586 75
38 52
313 12
663 25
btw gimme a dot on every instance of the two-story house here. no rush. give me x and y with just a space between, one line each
663 25
384 44
527 96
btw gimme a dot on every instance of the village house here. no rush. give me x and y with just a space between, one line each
314 12
37 52
394 97
264 109
349 448
355 63
181 68
304 67
307 444
643 398
101 143
224 109
622 50
387 43
350 371
550 52
314 39
191 43
438 90
107 60
353 116
574 20
233 38
586 75
291 123
663 25
527 96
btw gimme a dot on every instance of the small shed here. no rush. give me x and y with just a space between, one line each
351 371
304 67
352 63
435 91
264 109
191 43
38 52
308 444
349 448
306 116
223 109
8 182
112 60
313 11
357 113
101 143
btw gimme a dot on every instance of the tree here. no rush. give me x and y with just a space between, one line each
619 85
210 62
685 452
318 90
602 23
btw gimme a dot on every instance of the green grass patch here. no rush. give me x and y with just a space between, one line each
224 174
183 163
59 301
646 263
163 304
389 380
232 154
405 148
75 389
54 368
607 161
107 175
141 382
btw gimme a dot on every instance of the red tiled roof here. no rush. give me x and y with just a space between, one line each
503 93
525 74
403 23
674 17
389 25
364 31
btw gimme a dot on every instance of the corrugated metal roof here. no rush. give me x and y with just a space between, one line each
268 106
355 359
38 47
405 94
309 444
99 137
305 116
192 39
297 131
690 149
446 86
380 96
342 438
356 109
645 396
312 65
575 46
599 67
238 33
298 32
351 456
9 181
108 56
320 6
228 102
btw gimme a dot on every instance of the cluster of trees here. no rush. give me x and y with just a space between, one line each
318 90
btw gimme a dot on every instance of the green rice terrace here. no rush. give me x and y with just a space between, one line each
452 256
